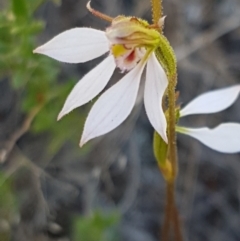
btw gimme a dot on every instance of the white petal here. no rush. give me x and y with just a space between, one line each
224 138
113 107
89 86
76 45
156 84
211 102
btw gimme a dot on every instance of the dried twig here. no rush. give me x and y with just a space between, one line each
8 145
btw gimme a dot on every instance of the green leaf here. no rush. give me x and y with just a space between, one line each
160 148
98 227
20 8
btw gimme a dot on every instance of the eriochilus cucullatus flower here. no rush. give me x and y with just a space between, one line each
130 43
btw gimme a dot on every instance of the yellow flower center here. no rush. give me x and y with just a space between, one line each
129 39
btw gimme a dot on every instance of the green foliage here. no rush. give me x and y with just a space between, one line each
35 77
98 227
20 9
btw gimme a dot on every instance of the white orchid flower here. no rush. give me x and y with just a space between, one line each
223 138
131 46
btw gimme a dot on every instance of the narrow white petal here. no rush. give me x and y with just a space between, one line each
211 102
76 45
156 84
113 107
223 138
89 86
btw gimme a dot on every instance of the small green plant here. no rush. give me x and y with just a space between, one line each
97 227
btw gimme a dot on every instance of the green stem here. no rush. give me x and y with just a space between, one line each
156 10
166 58
172 157
171 125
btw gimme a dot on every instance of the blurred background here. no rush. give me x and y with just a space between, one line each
111 189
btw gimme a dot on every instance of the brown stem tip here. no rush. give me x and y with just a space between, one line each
98 14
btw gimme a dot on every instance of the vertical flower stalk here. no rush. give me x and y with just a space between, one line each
169 166
156 10
166 56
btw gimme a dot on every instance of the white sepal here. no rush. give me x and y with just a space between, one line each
89 86
76 45
224 138
155 86
113 106
212 102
